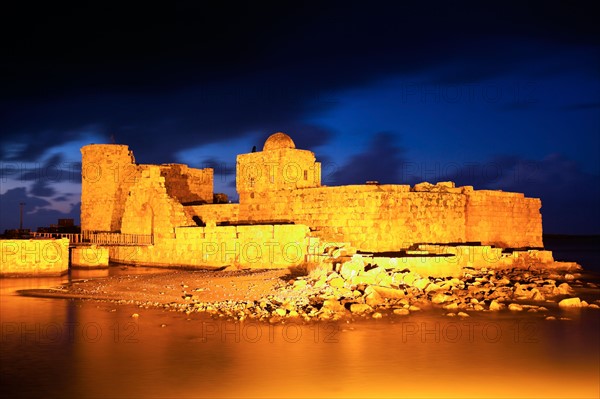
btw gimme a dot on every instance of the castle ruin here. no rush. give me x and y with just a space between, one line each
286 217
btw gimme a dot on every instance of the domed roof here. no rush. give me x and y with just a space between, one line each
277 141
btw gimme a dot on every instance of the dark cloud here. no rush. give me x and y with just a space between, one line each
570 196
181 76
305 136
54 170
44 176
177 119
380 162
330 169
36 214
41 188
221 169
481 175
198 74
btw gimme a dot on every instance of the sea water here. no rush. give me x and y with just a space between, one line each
89 349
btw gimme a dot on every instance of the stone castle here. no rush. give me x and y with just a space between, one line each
286 218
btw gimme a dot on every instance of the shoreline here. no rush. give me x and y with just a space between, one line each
172 285
355 290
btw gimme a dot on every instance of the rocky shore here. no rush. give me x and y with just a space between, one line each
355 289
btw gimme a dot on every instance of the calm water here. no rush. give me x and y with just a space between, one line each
84 349
584 250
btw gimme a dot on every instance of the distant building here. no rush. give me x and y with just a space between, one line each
63 226
16 234
66 222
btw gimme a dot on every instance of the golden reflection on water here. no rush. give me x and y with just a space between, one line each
66 348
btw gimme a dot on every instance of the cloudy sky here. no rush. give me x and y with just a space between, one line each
495 95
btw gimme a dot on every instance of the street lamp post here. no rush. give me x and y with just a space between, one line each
21 205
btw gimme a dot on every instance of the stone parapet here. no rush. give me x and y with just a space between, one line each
250 246
89 256
34 257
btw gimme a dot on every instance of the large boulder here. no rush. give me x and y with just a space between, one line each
570 303
352 268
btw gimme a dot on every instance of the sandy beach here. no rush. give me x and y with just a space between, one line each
173 286
354 291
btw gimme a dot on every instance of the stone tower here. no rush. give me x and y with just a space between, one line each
279 166
108 171
266 177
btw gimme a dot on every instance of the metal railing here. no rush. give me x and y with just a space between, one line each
74 238
100 238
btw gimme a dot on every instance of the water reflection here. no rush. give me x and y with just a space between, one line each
65 348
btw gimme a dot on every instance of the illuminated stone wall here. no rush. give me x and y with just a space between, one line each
89 256
215 213
34 257
263 246
383 218
277 169
503 219
113 185
108 171
149 209
392 217
370 217
188 185
282 183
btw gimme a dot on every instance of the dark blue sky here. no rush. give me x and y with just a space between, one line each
495 95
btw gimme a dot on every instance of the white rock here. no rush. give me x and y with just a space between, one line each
360 308
280 312
352 268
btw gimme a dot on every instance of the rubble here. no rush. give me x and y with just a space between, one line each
352 289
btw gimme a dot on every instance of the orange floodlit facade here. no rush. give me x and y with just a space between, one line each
285 215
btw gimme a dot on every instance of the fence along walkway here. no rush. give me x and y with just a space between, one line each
100 238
